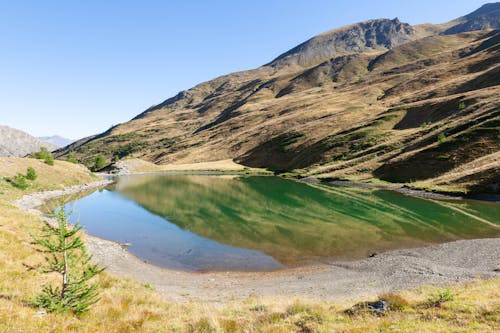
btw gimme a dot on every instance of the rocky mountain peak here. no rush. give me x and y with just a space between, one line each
356 38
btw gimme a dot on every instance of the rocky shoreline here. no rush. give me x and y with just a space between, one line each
452 262
30 202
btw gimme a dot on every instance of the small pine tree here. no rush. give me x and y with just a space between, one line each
67 256
99 163
31 173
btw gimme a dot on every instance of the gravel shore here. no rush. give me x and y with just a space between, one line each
452 262
30 202
457 261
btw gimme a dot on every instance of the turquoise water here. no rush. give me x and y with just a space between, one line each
202 222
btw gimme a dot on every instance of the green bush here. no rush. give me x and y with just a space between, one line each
44 154
71 158
461 106
439 299
49 160
442 138
18 181
99 163
31 173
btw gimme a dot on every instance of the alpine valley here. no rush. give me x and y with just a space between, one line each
376 100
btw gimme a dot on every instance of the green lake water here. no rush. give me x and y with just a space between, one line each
204 222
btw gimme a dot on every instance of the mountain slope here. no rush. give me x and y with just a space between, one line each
486 17
374 99
14 142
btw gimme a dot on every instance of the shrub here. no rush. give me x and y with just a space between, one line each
18 181
66 255
438 300
71 158
44 154
99 163
49 160
31 173
461 106
442 138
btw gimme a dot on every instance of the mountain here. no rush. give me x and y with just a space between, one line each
56 140
14 142
361 37
486 17
377 99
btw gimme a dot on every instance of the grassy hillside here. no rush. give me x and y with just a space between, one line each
409 106
49 177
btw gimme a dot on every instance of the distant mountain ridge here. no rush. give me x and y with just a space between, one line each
56 140
376 99
14 142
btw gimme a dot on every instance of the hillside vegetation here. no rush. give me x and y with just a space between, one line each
378 99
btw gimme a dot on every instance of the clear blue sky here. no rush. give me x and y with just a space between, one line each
75 68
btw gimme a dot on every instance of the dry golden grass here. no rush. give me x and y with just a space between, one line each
128 306
58 176
225 165
138 165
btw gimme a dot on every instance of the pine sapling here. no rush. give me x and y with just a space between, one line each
66 255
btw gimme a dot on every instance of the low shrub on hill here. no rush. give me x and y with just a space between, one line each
18 181
31 173
44 154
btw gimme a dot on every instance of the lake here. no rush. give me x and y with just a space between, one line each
260 223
